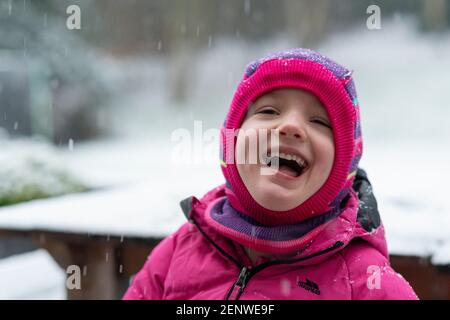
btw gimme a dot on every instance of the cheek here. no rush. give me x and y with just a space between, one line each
325 151
243 150
330 151
242 160
247 159
248 144
239 151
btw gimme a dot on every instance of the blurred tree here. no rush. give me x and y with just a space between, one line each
435 15
182 43
65 92
14 97
307 21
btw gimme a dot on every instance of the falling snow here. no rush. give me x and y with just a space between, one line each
144 190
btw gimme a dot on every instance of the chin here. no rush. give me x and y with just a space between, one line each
277 199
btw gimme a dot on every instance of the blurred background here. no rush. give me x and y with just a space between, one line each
92 96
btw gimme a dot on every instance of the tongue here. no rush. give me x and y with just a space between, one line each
288 170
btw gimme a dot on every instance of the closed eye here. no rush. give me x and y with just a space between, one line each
267 111
322 122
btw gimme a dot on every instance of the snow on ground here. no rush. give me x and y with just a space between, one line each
30 169
31 276
135 210
410 183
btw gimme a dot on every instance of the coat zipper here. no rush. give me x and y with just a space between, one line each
238 287
246 273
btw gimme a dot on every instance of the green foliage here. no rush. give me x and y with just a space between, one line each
31 171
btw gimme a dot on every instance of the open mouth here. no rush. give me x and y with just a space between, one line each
291 165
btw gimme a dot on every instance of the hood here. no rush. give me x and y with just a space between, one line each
332 84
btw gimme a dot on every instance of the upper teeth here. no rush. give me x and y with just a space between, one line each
294 157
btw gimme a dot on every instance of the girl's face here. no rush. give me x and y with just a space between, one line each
304 131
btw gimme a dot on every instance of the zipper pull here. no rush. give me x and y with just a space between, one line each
239 284
242 279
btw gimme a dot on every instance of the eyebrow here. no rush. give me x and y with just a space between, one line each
269 95
320 108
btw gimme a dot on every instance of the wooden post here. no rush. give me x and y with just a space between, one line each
427 280
106 264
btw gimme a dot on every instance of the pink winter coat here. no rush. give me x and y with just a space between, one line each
343 262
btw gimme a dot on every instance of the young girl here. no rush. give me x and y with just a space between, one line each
300 222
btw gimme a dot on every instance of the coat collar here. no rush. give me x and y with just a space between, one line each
341 229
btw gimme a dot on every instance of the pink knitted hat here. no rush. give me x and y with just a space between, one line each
333 85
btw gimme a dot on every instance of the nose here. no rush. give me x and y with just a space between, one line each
293 128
